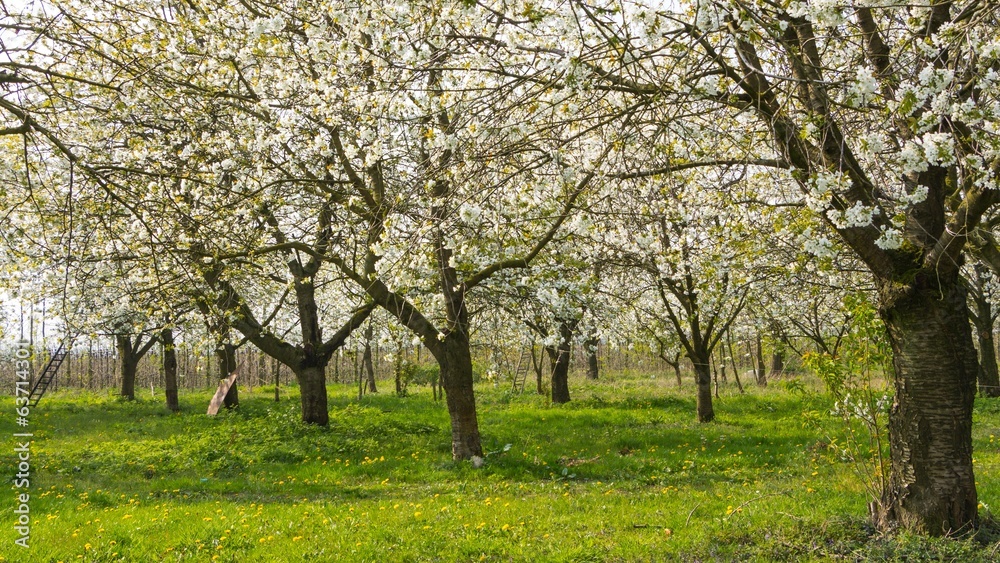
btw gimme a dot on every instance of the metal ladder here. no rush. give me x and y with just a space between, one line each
521 371
49 373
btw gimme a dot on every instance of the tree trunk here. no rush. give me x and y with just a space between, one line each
721 362
225 353
736 376
276 368
559 359
674 363
761 371
537 365
129 365
367 360
399 380
312 383
592 365
715 377
989 375
559 364
128 371
931 486
454 358
703 378
777 364
170 369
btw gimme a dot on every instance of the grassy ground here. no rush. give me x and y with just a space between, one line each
623 473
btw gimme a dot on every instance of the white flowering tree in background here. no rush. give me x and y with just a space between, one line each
698 260
983 311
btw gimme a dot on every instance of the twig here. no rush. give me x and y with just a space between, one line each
755 499
690 514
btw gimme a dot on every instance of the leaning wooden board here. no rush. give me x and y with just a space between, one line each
220 394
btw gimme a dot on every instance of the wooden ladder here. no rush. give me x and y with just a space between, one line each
49 373
521 371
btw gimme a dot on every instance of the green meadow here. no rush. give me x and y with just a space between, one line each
622 473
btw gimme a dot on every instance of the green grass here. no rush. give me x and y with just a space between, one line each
623 473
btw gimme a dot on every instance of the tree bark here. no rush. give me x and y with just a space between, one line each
761 370
982 317
129 355
276 370
170 369
590 345
559 359
989 374
559 362
128 371
931 486
674 363
703 379
454 357
312 383
367 360
777 364
537 365
399 376
225 354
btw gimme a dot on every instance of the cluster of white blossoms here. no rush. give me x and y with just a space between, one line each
864 87
858 215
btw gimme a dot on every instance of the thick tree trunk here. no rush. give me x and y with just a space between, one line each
454 357
312 384
777 364
129 364
225 354
170 369
592 364
559 357
128 371
931 486
703 379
